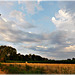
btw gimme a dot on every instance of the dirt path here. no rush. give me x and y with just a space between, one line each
1 72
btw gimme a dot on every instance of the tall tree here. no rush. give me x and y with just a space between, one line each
6 52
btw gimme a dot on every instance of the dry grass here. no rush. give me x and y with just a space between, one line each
51 68
2 72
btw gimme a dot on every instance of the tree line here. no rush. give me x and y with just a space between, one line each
9 53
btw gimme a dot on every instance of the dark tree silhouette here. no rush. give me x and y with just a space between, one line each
6 52
9 53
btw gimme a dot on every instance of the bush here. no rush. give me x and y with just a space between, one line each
0 65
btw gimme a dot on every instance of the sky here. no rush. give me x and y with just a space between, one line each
45 28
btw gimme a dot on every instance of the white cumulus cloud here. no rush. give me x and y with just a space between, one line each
64 21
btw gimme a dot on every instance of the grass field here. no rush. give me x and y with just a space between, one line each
49 68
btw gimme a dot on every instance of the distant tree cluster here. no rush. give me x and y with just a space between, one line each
9 53
6 52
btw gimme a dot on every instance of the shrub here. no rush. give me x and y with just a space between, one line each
0 65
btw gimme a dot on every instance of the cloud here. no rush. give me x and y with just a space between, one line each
48 45
31 7
58 37
13 34
54 44
68 6
18 15
59 44
19 18
6 3
39 1
64 21
70 48
63 37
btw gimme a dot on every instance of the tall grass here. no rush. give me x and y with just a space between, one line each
56 68
37 68
18 69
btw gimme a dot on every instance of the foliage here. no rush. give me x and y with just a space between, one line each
9 54
0 65
13 61
6 52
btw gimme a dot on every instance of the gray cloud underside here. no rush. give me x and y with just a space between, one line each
9 32
54 42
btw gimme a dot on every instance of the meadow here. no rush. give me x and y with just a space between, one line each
39 68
